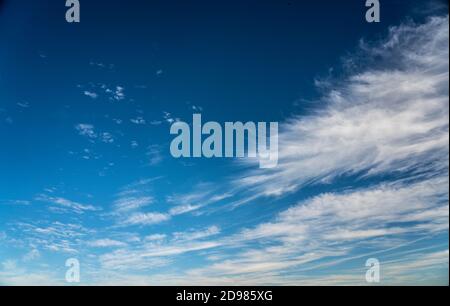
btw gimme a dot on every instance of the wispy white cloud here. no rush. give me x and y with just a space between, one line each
201 196
23 104
107 137
129 207
156 237
97 90
88 131
124 204
90 94
32 255
389 120
16 202
13 275
67 204
101 65
195 235
106 243
148 218
134 144
169 118
52 236
118 94
138 120
150 255
333 226
154 155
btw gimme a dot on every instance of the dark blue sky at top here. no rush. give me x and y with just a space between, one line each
239 60
243 56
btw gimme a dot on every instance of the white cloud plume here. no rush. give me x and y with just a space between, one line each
106 243
67 204
125 204
32 255
138 120
390 120
54 236
90 94
87 130
195 235
146 218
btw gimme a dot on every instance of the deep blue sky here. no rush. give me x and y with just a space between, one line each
240 60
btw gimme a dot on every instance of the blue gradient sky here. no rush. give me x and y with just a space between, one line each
86 171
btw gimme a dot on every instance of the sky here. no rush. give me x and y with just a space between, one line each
85 164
